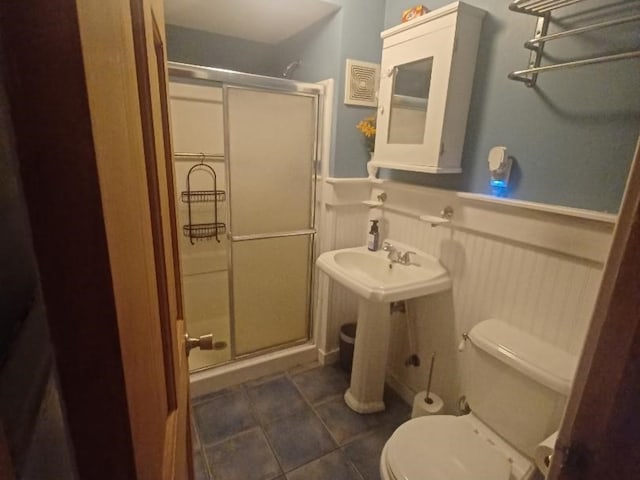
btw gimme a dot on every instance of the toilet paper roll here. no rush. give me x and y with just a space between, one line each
544 451
421 408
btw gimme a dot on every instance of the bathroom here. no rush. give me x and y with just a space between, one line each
516 215
533 260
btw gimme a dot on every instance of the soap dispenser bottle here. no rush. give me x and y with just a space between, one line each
373 240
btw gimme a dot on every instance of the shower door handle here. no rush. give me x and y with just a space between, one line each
204 342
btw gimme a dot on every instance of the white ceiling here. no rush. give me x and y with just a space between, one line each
269 21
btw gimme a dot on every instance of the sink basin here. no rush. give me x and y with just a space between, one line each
377 282
372 276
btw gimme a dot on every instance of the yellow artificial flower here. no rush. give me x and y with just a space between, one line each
367 127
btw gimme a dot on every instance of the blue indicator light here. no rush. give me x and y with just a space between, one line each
498 188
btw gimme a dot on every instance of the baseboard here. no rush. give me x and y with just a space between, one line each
406 393
328 358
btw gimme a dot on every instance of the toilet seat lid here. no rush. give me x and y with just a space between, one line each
443 447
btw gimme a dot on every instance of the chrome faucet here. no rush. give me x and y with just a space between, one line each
396 256
405 258
393 254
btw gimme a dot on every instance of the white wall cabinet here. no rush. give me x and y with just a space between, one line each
427 73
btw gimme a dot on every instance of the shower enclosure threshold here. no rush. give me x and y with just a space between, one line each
240 371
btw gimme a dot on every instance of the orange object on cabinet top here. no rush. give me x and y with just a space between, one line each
414 12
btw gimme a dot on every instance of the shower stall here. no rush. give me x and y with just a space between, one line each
246 158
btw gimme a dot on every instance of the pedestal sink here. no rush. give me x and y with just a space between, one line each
378 282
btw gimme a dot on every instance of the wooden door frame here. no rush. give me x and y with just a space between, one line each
58 146
602 421
52 122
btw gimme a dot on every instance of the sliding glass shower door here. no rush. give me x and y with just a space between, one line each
270 145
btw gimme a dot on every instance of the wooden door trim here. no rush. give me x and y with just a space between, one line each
168 150
151 73
150 154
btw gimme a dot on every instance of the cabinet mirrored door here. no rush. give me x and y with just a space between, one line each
270 144
413 89
409 101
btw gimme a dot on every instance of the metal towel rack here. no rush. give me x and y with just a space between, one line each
543 9
202 231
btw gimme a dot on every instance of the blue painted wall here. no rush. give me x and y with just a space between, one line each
352 32
319 48
198 47
573 136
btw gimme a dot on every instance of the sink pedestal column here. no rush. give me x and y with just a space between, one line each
370 357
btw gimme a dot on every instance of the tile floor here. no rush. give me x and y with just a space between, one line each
293 426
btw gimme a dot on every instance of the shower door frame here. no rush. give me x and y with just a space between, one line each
229 78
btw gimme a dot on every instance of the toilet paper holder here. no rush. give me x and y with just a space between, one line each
428 399
427 402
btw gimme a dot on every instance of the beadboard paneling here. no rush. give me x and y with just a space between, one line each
537 287
548 295
568 231
350 227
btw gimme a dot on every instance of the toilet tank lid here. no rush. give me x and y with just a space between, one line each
531 356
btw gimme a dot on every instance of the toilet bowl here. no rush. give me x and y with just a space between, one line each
516 388
444 447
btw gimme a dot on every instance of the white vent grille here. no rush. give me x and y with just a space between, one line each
361 83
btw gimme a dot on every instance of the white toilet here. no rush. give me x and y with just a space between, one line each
516 387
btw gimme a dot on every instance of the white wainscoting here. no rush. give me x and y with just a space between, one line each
536 267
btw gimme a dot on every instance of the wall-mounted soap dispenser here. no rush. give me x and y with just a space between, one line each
500 168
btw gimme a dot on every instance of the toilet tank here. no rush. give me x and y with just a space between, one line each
517 384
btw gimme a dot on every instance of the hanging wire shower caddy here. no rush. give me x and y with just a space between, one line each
203 231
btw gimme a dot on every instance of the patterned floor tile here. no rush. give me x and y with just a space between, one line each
321 384
344 423
211 395
303 368
274 397
365 452
298 439
199 467
246 456
223 416
397 411
195 436
258 430
334 466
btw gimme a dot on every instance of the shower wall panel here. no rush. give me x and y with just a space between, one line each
197 127
196 118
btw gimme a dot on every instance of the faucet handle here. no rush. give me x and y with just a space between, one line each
386 246
406 257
